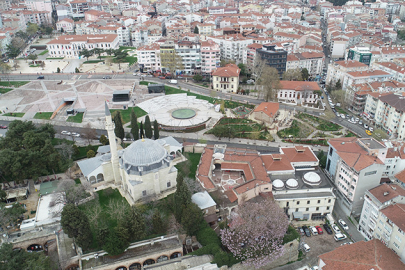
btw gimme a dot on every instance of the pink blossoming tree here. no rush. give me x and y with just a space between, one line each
255 233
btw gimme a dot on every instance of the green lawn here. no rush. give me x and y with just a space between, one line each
78 118
14 84
43 115
191 163
146 83
93 61
44 52
340 110
228 103
17 114
127 48
126 114
55 58
318 123
239 128
57 141
83 151
5 90
296 130
38 65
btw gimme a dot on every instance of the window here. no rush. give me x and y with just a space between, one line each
169 184
296 209
298 202
327 208
317 209
288 203
370 173
398 238
144 193
329 200
319 201
308 202
306 209
330 151
396 245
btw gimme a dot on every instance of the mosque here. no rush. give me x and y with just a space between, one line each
144 169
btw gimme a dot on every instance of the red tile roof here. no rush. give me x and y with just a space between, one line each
299 85
362 256
269 108
230 70
396 213
300 154
401 176
390 190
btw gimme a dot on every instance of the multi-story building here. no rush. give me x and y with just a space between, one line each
299 185
312 61
361 54
210 56
190 54
382 216
149 57
63 11
273 56
397 72
249 55
37 17
39 5
358 77
68 25
232 46
338 69
387 111
298 92
355 165
124 34
78 8
226 79
298 40
205 29
70 46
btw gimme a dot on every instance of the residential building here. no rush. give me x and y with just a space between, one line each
298 92
37 17
69 46
190 53
274 56
357 77
124 34
63 11
210 56
78 8
337 70
249 55
361 54
68 25
265 112
312 61
226 79
149 57
354 166
298 40
232 46
361 255
39 5
397 71
205 29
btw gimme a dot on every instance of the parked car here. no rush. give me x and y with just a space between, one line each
327 228
301 231
3 127
319 229
357 119
306 230
338 104
65 132
106 77
365 126
314 231
343 116
360 123
371 129
337 114
306 248
343 224
368 132
74 134
335 228
251 81
339 237
41 77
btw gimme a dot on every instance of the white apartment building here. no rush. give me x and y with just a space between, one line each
123 33
149 57
37 17
355 165
145 36
338 69
397 72
69 46
312 61
190 53
299 186
68 25
298 92
39 5
387 111
78 8
205 29
297 40
383 216
357 77
232 46
210 56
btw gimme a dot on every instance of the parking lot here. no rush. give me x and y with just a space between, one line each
320 244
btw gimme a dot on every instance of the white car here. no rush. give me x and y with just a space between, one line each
335 228
74 134
343 116
339 237
65 132
357 119
371 129
365 126
343 224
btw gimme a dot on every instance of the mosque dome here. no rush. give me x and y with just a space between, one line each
144 152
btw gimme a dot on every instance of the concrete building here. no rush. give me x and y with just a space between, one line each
39 5
149 57
337 70
397 71
69 46
358 77
361 54
210 56
298 92
354 166
207 205
226 79
78 8
312 61
232 46
68 25
274 56
190 53
249 55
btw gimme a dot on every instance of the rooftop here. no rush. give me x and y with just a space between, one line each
386 192
396 213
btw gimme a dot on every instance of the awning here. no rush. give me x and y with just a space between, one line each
298 215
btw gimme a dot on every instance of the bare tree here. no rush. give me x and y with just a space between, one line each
117 208
93 212
89 133
172 61
16 65
69 192
192 185
292 75
270 81
42 65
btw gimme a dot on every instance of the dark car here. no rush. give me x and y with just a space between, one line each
306 230
301 231
41 77
327 228
106 77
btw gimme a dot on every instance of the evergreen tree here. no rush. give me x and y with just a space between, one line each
76 224
196 30
159 226
134 126
155 130
191 219
182 197
119 129
141 134
148 128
